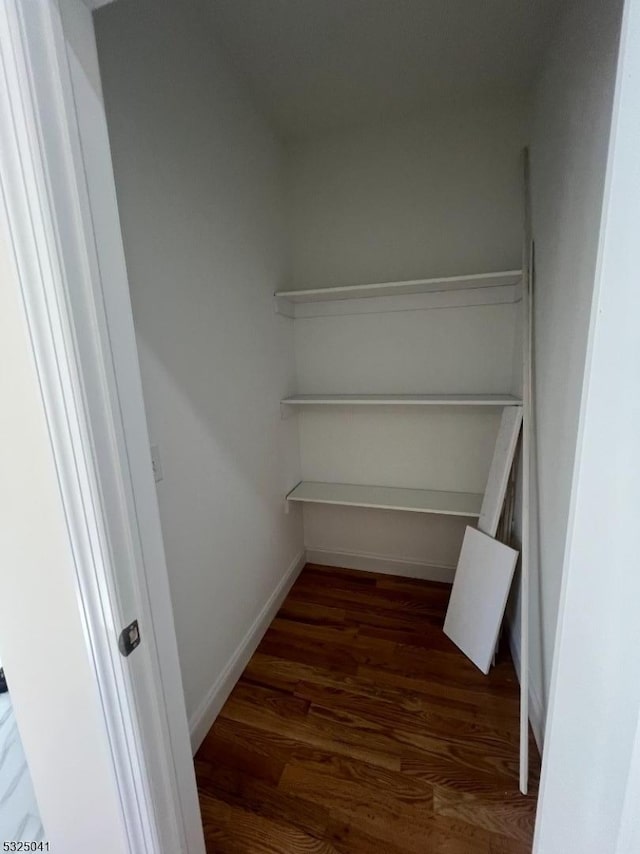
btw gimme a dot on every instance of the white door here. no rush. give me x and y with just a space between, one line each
81 551
54 695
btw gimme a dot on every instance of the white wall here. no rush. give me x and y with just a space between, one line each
453 349
440 195
571 116
589 789
201 203
436 196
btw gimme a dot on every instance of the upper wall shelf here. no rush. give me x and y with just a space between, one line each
402 400
497 287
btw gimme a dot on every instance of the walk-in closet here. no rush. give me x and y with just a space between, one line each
360 239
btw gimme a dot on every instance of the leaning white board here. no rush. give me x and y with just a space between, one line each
501 463
479 596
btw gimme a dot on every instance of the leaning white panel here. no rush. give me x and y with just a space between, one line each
501 464
479 596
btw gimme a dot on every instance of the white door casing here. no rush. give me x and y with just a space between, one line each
590 781
62 225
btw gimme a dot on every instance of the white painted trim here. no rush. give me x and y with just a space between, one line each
367 562
536 706
113 390
590 767
527 439
205 714
60 196
34 70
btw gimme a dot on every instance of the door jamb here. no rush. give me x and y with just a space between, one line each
59 227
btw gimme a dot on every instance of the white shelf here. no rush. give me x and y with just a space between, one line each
388 498
413 286
402 400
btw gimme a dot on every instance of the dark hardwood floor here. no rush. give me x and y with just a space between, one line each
359 727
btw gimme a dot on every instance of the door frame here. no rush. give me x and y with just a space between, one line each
590 782
62 224
61 213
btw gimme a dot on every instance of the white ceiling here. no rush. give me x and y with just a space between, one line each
314 65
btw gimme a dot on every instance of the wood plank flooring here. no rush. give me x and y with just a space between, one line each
358 727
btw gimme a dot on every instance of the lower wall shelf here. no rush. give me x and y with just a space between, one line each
388 498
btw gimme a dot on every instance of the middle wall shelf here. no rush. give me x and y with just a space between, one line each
388 498
440 502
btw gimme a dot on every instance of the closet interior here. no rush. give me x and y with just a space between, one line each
327 224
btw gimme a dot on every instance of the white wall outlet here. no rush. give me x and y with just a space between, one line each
156 463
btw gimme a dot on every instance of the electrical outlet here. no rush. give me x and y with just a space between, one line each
156 463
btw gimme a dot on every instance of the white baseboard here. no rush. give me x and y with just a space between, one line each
203 717
382 564
536 707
